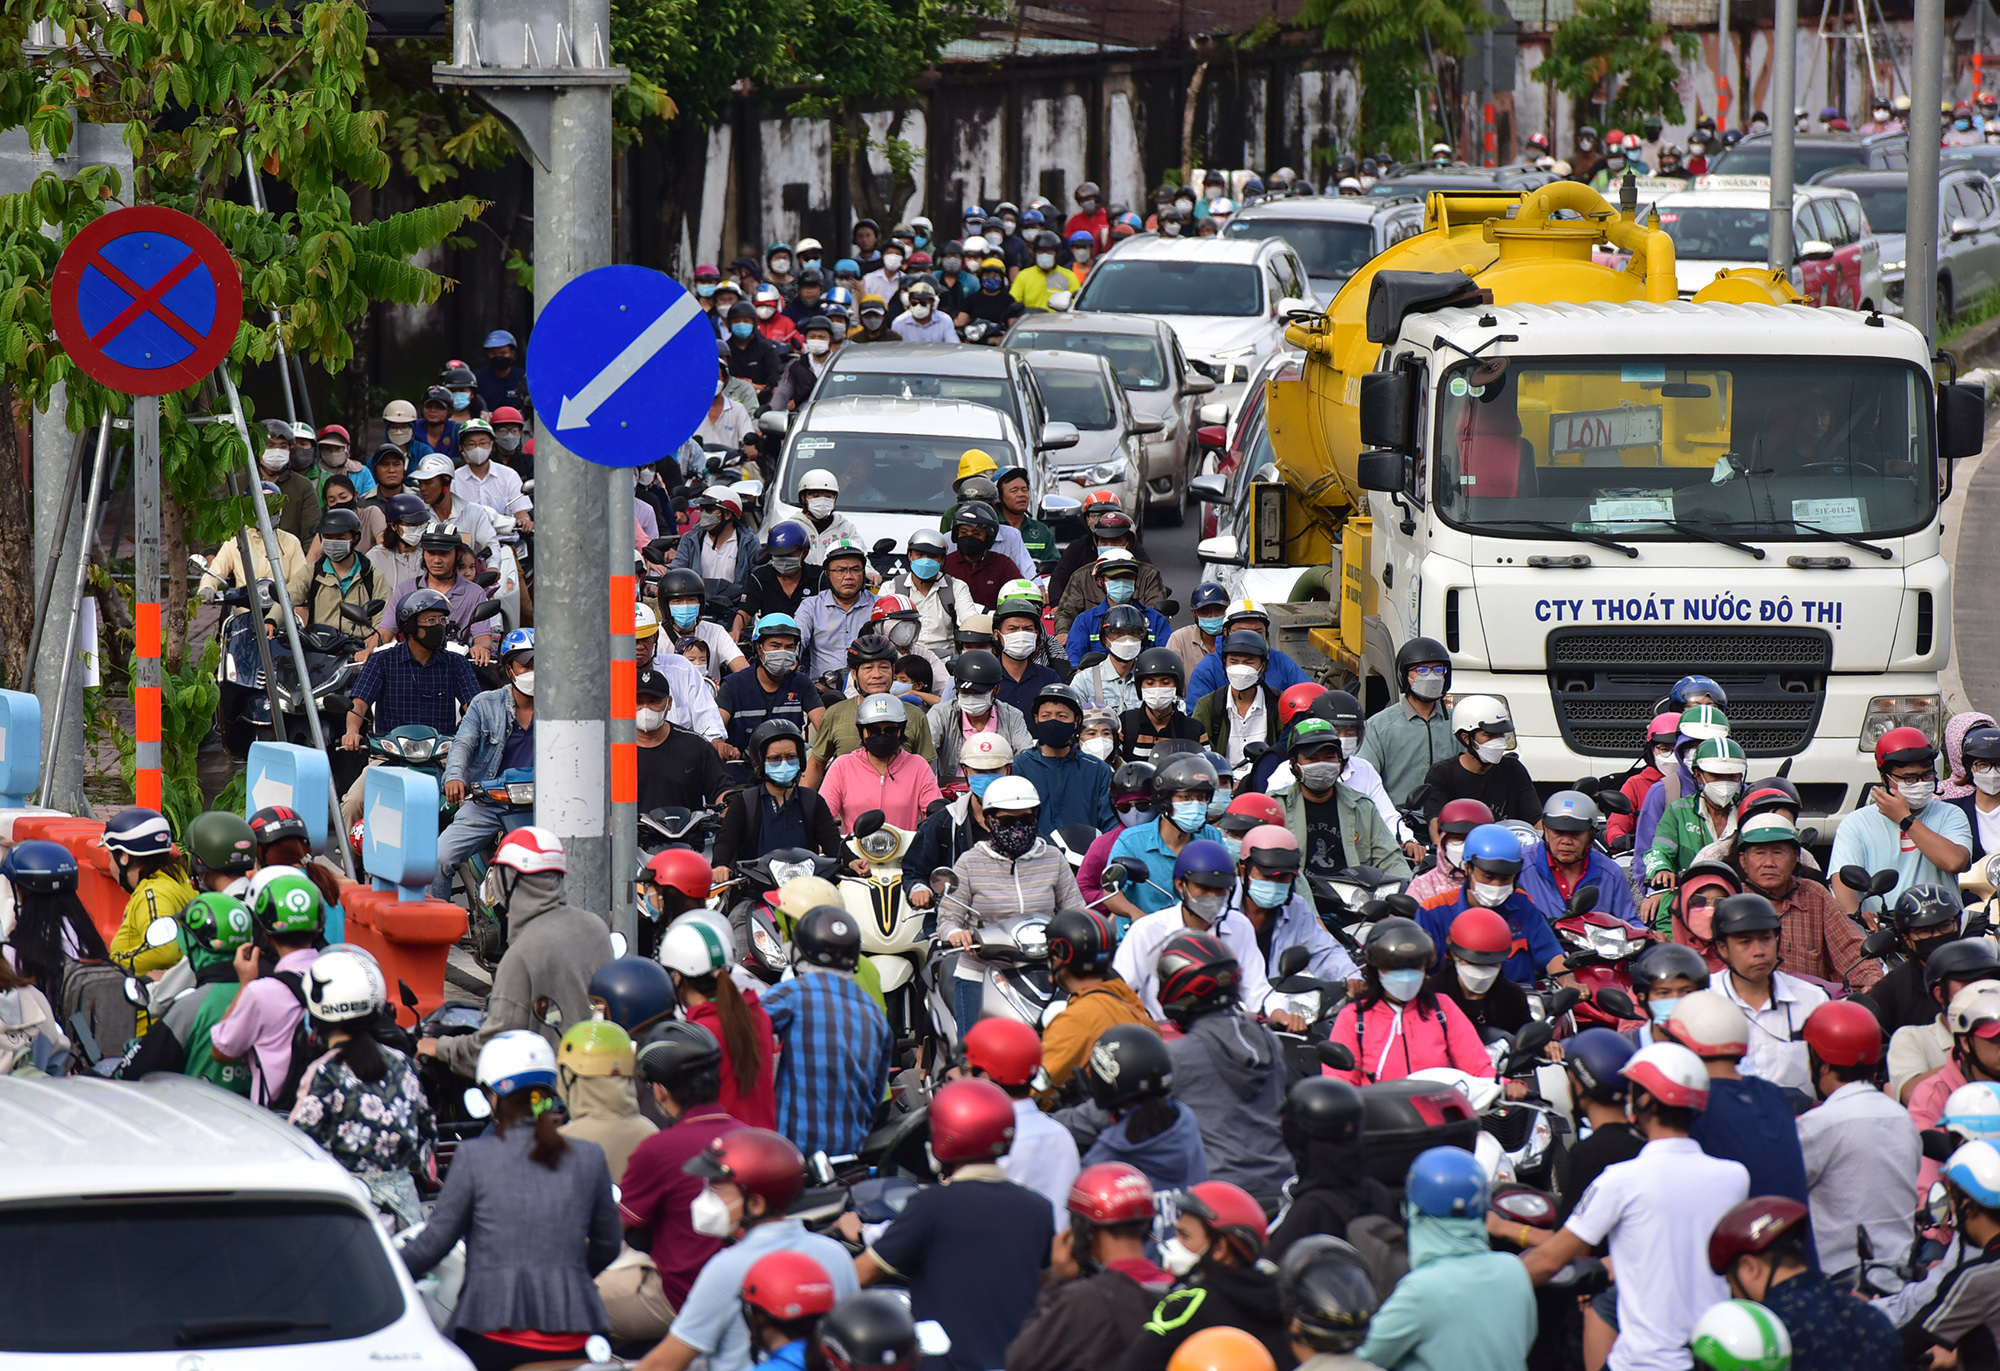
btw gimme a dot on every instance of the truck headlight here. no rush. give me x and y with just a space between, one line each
1897 711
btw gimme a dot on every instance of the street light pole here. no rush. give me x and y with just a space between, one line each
1784 72
1920 295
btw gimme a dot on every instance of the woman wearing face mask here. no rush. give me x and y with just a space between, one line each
1099 738
1692 822
1447 877
774 810
818 494
974 709
226 569
697 956
881 773
1493 861
1398 1024
1975 785
1656 759
339 493
1132 806
1476 945
1703 886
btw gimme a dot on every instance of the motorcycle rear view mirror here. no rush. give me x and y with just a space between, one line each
409 996
1584 900
869 822
619 947
1937 1203
354 614
1170 608
476 1104
1883 882
162 932
1402 905
1533 1037
486 580
1563 1001
597 1350
884 546
490 609
1052 1009
1878 942
135 991
932 1340
1114 875
1938 1144
1615 1002
1293 960
1614 802
1808 837
944 880
1854 877
1339 1056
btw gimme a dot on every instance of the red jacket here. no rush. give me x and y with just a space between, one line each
779 329
1432 1032
1097 224
759 1108
1635 790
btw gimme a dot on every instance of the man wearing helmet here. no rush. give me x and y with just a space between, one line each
776 689
1777 1004
782 580
1747 1120
1917 1049
339 576
414 681
1105 1286
1281 673
481 481
941 600
977 480
211 929
831 620
1182 786
1337 826
498 735
1224 1297
1764 1249
1485 768
432 476
871 660
1819 939
441 546
720 547
1075 787
1204 878
1268 896
1927 840
1692 822
1567 859
1494 858
818 492
1861 1150
1406 740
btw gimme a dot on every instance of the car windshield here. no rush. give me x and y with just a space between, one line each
1747 449
1887 207
1148 287
1717 233
1808 159
90 1279
991 391
888 473
1328 247
1139 363
1077 397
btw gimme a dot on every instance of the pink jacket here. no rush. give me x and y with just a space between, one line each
1398 1040
1090 875
1927 1107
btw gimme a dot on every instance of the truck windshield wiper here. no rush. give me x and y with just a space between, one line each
1565 531
200 1332
1884 553
1696 531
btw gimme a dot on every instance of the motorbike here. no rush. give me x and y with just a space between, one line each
418 747
762 944
1600 948
513 793
1315 1000
1018 984
245 705
659 829
892 931
1527 1135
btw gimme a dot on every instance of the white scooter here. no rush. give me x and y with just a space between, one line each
892 930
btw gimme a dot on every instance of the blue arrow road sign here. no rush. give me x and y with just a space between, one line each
622 366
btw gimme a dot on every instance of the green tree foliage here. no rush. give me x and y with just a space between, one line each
1618 40
1393 42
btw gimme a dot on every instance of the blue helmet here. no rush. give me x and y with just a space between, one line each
1208 595
1205 857
520 640
635 990
972 212
839 298
40 868
499 338
139 833
1594 1058
847 266
786 536
1493 848
1699 685
777 623
1446 1183
1033 216
1975 1169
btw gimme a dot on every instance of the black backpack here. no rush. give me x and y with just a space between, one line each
305 1048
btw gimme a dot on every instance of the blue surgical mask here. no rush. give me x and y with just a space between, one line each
461 399
1120 592
1662 1010
1210 626
741 330
704 291
925 568
1190 815
1270 894
978 781
1235 846
784 773
991 284
685 615
1402 986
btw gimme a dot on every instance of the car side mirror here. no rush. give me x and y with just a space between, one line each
1213 490
1214 412
1385 412
1194 383
1380 470
1144 426
1817 251
1960 228
1061 507
774 421
1057 435
1214 437
1220 550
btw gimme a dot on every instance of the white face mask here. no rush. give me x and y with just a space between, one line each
399 434
1663 759
1427 687
1491 752
525 683
1020 646
1917 793
1178 1257
275 460
1158 697
1490 896
819 506
891 261
1045 260
477 456
1241 677
1454 852
1986 782
708 1215
650 720
1100 747
1721 794
766 311
976 702
1477 979
920 310
817 347
1124 649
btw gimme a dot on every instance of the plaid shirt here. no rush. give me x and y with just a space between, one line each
1818 938
835 1057
404 692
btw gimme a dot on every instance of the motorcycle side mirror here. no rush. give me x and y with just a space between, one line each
1614 802
408 995
1052 1009
1615 1002
659 550
869 822
488 610
135 991
619 947
1339 1056
1938 1144
374 608
1584 900
1533 1037
1170 607
339 704
549 1012
486 580
1114 875
162 931
1293 960
1419 797
1402 905
944 880
1254 753
932 1340
354 614
597 1349
1854 877
884 546
1563 1001
1883 882
1878 942
820 1167
1809 837
1937 1203
476 1103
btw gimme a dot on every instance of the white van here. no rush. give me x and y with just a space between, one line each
168 1224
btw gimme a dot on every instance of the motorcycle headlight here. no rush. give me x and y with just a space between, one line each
1305 1005
419 749
1033 939
768 948
1539 1138
878 846
521 792
1610 943
782 872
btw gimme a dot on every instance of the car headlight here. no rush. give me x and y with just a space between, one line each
1896 265
1897 711
1103 474
1232 354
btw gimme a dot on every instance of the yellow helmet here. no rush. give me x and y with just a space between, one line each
974 462
596 1047
802 893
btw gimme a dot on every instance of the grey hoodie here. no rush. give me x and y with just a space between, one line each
553 949
1230 1070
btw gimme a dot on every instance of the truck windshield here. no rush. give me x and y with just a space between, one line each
1745 449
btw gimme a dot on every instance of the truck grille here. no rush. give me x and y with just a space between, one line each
1606 683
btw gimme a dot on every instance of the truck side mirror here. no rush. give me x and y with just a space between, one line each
1385 410
1380 470
1961 420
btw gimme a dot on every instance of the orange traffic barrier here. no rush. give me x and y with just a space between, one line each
103 898
410 939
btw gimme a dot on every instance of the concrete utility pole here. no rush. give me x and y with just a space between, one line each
61 693
1784 71
1920 297
543 66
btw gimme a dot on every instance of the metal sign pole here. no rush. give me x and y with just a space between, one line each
148 781
1920 292
257 612
1784 67
624 742
76 603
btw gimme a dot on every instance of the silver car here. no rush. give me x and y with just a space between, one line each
1079 388
1334 235
1968 241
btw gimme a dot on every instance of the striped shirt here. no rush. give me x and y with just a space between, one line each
834 1060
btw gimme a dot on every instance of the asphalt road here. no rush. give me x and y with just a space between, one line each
1172 551
1975 614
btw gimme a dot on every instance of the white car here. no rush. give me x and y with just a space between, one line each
1725 223
169 1224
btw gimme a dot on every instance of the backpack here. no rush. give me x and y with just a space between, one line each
1385 1250
304 1048
93 998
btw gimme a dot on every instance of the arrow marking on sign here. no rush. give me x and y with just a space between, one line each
577 409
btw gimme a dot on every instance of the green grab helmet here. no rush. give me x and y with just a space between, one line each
288 904
216 923
1741 1335
1704 722
1721 755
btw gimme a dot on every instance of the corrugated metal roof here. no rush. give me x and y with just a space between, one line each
1083 27
1000 48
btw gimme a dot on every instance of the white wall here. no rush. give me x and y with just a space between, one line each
794 151
914 132
1055 134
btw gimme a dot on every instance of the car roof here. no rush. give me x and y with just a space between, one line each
1216 249
912 418
927 359
1340 208
85 1136
1135 325
1867 180
1063 359
1740 197
1799 140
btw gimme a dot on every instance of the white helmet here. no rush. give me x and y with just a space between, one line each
694 949
1973 1112
1012 792
819 478
1975 1169
1480 714
975 246
986 752
302 433
433 466
344 984
1669 1073
514 1060
1709 1024
1738 1333
1976 1004
530 849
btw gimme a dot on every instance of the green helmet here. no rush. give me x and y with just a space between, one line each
1722 755
223 842
288 903
1021 589
1704 722
1739 1335
216 922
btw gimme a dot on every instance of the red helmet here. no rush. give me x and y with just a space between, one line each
971 1121
885 605
1296 700
1481 937
1007 1050
1902 746
788 1286
1250 810
682 869
1753 1226
1229 1211
1195 970
757 1162
1111 1192
1844 1034
1462 816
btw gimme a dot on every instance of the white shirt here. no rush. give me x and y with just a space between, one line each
1138 956
1657 1211
939 609
1777 1031
1043 1157
722 649
694 702
1247 728
1916 1050
499 489
1989 828
474 520
1862 1152
729 428
718 560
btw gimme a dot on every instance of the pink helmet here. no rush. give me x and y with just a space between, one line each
1664 728
530 849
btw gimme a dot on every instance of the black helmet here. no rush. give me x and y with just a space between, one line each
457 374
1324 1110
1983 743
1419 652
1324 1289
1161 661
1127 1065
681 582
1243 641
976 670
1124 617
1047 242
339 522
976 514
1061 694
419 602
673 1049
978 487
1133 778
868 1331
1184 771
769 732
406 508
870 647
1924 906
1341 710
1082 940
1399 944
1964 959
1746 913
1196 973
1665 962
827 936
440 535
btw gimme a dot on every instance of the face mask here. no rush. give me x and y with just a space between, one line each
1053 732
925 568
1477 979
1177 1257
788 566
920 310
784 773
1721 794
1045 260
477 456
1190 815
1012 840
333 458
973 548
819 506
765 311
1318 777
1402 986
1490 896
275 460
709 519
1218 805
1454 852
1211 627
431 638
1099 747
685 615
336 548
1662 1010
1183 204
525 683
978 781
1917 793
952 264
1427 687
461 399
1986 782
1010 225
1124 649
1133 817
872 320
1207 908
780 662
1212 192
1663 759
1120 592
509 442
1491 753
1171 230
1242 677
891 260
976 702
881 745
708 1214
1019 646
1157 697
1270 894
650 720
740 330
816 347
781 265
991 284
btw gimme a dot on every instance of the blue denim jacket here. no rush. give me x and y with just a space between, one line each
475 752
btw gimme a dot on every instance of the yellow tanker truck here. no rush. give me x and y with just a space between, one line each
1586 486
